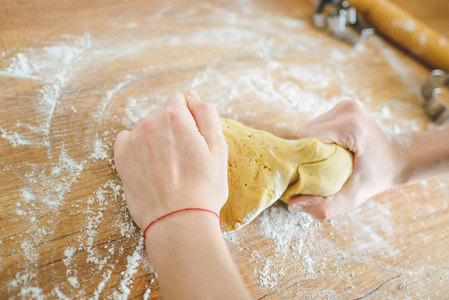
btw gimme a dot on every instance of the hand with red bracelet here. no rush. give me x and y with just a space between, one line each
174 160
379 163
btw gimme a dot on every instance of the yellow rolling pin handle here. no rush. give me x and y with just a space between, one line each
402 28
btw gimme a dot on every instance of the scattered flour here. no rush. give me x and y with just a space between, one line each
32 293
109 96
146 294
137 109
100 151
14 138
402 70
60 295
27 197
68 253
131 269
73 281
52 188
100 287
54 66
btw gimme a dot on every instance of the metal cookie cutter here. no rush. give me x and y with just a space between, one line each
434 106
341 21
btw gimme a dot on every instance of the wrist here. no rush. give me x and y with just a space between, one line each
425 156
183 210
191 258
181 227
403 164
147 214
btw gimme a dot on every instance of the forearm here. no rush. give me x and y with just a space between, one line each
427 156
192 260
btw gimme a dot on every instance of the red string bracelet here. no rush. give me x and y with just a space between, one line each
177 211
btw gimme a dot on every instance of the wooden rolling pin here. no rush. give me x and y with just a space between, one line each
407 31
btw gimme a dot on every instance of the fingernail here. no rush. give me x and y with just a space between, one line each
296 208
193 94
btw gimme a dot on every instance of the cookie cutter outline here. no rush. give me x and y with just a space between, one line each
433 106
342 21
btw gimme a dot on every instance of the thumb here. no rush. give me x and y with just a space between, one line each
319 207
301 203
323 132
119 143
324 208
207 121
120 139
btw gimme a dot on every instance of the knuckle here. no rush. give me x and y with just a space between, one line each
121 136
356 124
323 210
129 145
348 142
206 107
353 106
147 124
326 214
170 115
176 95
321 214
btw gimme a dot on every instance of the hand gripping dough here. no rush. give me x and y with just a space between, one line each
263 168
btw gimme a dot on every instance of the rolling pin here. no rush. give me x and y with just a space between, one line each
407 31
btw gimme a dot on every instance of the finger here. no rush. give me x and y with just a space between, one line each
342 108
327 132
316 126
120 140
177 118
346 132
207 121
316 206
321 131
177 111
176 99
299 203
331 114
327 116
324 208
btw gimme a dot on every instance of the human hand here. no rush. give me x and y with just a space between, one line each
176 158
377 161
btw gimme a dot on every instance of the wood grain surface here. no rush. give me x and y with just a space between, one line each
74 73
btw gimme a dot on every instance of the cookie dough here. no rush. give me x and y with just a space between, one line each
263 168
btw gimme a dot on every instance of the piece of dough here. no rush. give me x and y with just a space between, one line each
263 168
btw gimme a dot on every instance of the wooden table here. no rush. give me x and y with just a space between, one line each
74 73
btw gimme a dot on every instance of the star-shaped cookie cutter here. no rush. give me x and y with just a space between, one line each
435 107
342 21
